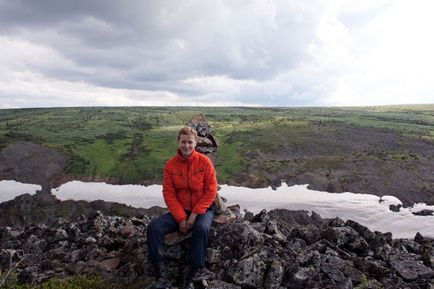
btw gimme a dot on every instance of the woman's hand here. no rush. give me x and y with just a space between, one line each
186 226
183 227
190 221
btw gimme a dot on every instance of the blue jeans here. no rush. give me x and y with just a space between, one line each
165 224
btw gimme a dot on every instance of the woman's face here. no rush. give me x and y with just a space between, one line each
186 144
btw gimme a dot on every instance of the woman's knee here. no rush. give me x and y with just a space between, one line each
154 228
201 228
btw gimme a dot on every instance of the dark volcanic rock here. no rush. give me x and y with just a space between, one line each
249 272
46 208
395 208
424 213
410 267
278 250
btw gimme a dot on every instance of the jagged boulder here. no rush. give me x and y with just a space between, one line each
249 272
410 267
266 250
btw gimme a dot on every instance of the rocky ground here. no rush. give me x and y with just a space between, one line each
46 208
278 249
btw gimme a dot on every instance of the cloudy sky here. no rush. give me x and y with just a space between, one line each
216 52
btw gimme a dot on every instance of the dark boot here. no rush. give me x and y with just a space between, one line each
188 278
161 276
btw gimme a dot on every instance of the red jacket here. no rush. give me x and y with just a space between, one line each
189 184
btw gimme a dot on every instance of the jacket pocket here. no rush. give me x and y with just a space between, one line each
177 179
198 171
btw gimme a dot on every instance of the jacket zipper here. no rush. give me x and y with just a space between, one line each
188 182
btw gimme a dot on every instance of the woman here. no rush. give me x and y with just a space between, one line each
189 190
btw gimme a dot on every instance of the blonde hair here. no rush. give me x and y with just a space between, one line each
187 131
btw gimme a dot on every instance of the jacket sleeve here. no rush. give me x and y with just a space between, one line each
169 194
210 189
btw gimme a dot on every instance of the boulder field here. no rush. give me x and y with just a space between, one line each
275 249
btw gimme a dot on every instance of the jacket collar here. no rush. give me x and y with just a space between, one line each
190 157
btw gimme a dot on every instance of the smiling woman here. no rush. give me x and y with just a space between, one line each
189 190
187 140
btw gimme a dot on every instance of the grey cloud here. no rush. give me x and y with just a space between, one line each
155 45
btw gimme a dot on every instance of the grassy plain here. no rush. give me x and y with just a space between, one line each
258 146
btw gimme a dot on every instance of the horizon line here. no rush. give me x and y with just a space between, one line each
221 106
